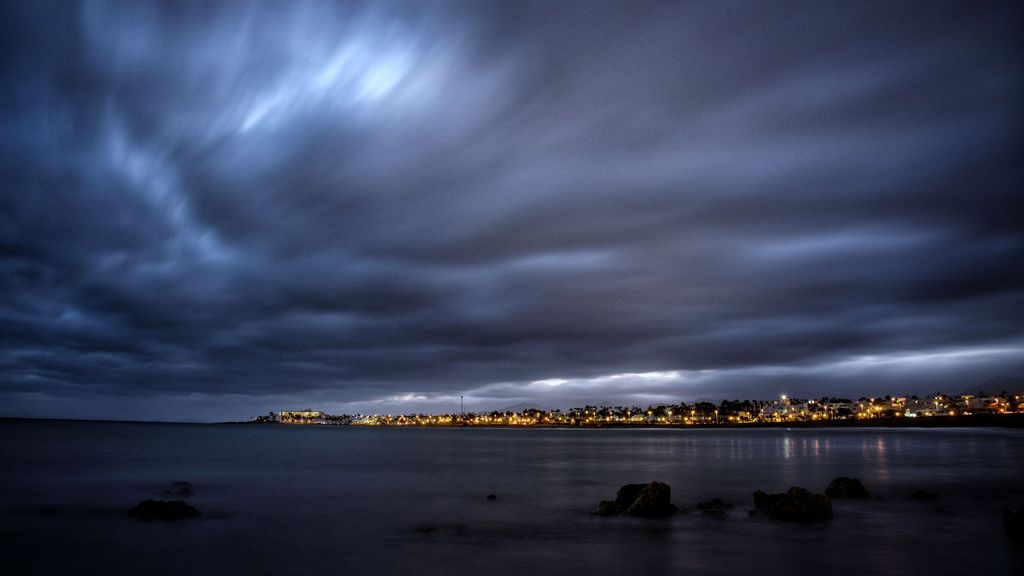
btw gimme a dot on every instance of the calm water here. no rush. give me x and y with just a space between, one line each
412 501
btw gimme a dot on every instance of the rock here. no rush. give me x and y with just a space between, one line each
179 489
924 496
607 508
655 500
843 487
796 505
714 504
626 495
715 508
763 501
1013 522
650 500
492 496
163 510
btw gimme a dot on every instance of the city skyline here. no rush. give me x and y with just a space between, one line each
995 396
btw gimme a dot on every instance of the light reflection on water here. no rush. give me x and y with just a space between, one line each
412 500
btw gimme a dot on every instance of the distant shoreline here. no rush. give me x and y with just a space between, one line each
972 421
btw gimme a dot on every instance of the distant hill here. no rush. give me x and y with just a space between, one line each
997 385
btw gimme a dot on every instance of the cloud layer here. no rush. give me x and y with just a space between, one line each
229 208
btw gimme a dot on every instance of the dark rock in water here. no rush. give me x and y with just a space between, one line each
796 505
763 501
715 513
801 505
607 508
715 508
653 499
492 496
924 496
843 487
179 489
1013 521
163 510
624 498
626 495
714 504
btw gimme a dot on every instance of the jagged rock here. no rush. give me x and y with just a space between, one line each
714 504
653 499
796 505
179 489
843 487
924 496
163 510
1013 522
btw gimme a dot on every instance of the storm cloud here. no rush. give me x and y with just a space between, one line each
212 210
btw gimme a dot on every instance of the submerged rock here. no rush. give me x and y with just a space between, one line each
715 508
715 513
492 496
607 508
843 487
179 489
163 510
650 500
714 504
796 505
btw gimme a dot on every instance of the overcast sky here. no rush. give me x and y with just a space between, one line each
214 210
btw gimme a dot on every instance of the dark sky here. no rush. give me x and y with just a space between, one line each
214 210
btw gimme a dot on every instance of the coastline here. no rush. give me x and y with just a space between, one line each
972 421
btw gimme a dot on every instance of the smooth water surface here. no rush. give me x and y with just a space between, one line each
281 499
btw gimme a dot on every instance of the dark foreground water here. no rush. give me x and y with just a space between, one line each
281 499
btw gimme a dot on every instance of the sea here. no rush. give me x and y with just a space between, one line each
354 500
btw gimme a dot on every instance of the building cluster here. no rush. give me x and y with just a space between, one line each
783 409
891 407
304 417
